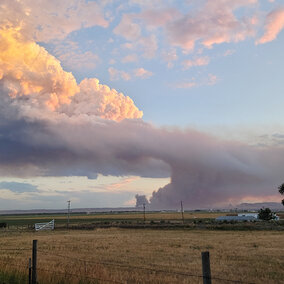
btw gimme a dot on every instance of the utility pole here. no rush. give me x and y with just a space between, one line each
181 210
144 212
68 214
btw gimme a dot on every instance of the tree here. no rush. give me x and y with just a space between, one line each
265 214
281 191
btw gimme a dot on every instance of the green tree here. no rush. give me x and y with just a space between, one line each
265 214
281 191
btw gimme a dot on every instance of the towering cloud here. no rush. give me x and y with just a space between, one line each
30 74
35 81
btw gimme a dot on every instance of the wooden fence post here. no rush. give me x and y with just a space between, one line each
206 271
30 271
34 261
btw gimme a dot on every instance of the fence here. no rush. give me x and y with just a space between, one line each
33 269
44 226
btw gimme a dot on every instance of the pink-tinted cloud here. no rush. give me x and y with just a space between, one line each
158 18
170 56
210 80
116 74
127 28
129 58
229 52
146 45
274 25
141 72
213 23
186 85
118 185
199 61
78 60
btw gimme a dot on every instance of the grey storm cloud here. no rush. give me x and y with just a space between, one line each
204 170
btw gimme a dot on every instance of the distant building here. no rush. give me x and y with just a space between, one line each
243 217
255 215
236 218
275 217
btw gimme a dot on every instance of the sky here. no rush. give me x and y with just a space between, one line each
175 100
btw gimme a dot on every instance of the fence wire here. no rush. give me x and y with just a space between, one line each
160 270
120 265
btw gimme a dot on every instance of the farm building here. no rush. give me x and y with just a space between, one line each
236 218
255 215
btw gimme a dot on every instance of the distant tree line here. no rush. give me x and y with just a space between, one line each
281 191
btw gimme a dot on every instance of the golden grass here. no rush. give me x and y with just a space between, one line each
113 254
115 216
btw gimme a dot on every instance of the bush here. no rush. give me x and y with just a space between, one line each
265 214
3 225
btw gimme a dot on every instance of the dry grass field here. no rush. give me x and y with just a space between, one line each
146 255
25 219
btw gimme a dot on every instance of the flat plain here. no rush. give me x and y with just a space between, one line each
117 255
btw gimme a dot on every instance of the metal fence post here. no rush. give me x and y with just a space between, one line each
34 261
206 271
30 271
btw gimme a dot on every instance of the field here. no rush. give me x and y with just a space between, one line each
117 255
61 219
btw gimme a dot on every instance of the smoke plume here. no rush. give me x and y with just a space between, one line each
141 200
52 126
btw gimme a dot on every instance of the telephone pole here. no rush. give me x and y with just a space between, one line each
181 210
68 213
144 212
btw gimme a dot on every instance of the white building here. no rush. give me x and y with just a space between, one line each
255 215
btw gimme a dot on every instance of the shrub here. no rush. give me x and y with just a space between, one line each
265 214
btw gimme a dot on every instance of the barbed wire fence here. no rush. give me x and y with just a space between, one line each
31 265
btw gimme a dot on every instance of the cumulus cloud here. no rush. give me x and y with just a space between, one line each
35 81
99 100
274 25
30 73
